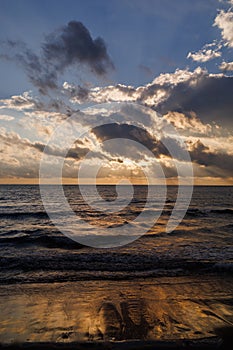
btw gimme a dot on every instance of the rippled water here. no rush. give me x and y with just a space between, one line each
34 250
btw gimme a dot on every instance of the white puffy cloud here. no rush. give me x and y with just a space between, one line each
204 55
207 53
21 102
178 77
119 92
190 123
6 117
226 66
224 21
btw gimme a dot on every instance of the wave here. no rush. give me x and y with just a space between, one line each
21 215
134 211
48 241
206 212
170 201
60 269
223 267
222 211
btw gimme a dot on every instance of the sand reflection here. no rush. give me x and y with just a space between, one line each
167 308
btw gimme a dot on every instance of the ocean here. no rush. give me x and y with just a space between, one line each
33 250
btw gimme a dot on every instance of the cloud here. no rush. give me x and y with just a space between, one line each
17 158
226 66
70 45
140 136
130 132
183 91
203 94
189 123
22 102
151 94
205 54
79 92
73 44
219 163
6 117
12 138
77 151
41 74
119 93
20 157
33 106
190 100
224 21
209 158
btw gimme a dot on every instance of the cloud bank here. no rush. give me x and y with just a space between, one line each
182 91
209 146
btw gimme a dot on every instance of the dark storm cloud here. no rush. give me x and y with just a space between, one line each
201 154
142 136
71 45
125 131
216 163
76 153
209 97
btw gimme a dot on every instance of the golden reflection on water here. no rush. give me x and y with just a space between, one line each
166 308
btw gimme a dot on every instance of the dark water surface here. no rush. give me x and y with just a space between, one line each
33 250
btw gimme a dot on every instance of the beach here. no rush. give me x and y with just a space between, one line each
164 311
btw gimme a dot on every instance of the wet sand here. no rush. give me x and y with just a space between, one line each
163 311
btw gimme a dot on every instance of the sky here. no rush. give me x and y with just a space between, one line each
88 63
